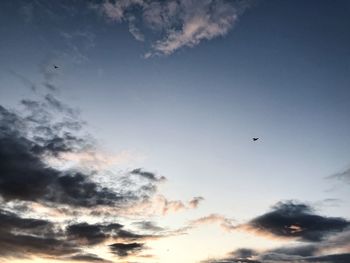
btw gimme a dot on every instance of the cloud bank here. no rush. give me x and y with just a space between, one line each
56 212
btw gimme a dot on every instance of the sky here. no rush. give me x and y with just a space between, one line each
127 126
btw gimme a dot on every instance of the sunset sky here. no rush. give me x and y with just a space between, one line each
126 131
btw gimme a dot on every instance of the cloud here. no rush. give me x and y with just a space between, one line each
232 260
301 250
24 175
92 234
168 206
88 257
134 30
202 20
10 221
19 235
194 203
224 222
320 239
117 10
50 117
282 255
32 187
242 255
171 205
288 254
148 226
57 105
147 175
180 23
334 258
126 249
90 159
297 220
159 205
31 139
343 176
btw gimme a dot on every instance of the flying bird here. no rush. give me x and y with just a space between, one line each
255 139
56 67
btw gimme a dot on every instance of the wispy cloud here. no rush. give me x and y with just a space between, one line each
344 176
183 23
160 205
226 223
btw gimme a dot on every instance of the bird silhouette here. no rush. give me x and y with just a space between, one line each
255 139
56 67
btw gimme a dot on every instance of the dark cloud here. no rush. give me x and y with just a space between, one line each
10 123
301 254
297 220
10 221
128 235
319 236
19 235
19 245
57 145
147 175
292 254
32 139
148 226
334 258
242 255
92 234
77 189
232 260
304 250
24 175
126 249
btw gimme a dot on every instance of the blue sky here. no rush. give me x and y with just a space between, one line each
179 89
